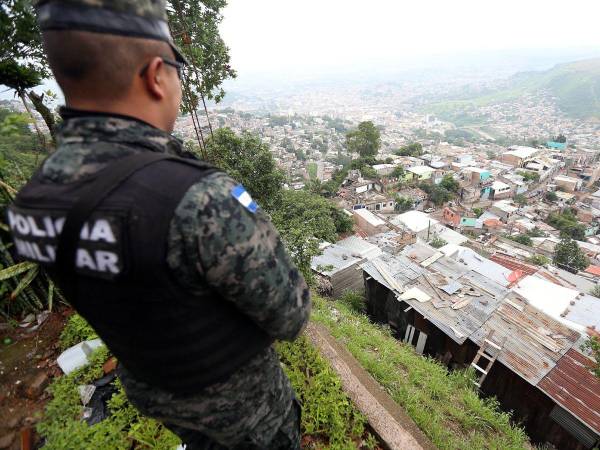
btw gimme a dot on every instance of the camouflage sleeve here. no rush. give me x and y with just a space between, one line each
217 240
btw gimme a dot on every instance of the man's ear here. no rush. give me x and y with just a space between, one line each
154 78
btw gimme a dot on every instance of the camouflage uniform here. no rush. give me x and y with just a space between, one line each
210 247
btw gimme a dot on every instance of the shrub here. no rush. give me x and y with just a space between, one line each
354 301
538 260
75 331
437 242
328 415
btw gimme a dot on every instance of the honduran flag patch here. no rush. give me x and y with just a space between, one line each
242 196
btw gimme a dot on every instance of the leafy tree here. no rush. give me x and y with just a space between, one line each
538 260
19 148
398 172
592 345
568 224
317 187
529 176
522 239
450 184
439 195
536 232
304 220
369 172
23 64
520 200
415 149
568 256
250 162
365 140
403 204
551 196
561 138
195 28
478 212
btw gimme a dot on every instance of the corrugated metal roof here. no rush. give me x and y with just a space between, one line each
574 387
360 247
513 264
585 310
458 324
534 341
334 259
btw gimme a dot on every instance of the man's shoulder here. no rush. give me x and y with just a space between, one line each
74 161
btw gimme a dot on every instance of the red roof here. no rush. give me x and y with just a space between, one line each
513 264
572 385
492 223
594 270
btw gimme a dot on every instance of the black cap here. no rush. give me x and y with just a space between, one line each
145 19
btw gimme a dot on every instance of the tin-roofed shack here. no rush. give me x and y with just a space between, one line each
452 307
339 266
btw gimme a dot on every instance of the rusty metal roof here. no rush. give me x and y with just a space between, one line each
575 388
534 341
513 264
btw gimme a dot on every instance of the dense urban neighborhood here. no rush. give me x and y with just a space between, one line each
283 225
479 255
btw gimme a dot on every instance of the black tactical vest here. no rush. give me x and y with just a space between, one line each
117 277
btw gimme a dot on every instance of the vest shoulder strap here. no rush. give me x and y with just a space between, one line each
108 180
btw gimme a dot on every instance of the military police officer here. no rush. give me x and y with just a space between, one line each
170 260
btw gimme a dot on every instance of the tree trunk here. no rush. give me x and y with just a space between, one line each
41 136
38 104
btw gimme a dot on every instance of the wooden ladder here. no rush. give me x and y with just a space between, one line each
490 356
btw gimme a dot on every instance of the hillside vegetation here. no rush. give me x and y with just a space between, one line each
575 86
329 418
445 405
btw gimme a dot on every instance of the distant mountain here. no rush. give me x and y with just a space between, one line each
575 86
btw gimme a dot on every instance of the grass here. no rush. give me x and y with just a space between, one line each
444 405
329 419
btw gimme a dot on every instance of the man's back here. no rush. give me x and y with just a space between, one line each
186 248
215 249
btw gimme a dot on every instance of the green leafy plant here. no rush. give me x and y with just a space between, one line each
592 345
328 416
24 286
355 301
75 331
595 291
437 242
538 260
568 256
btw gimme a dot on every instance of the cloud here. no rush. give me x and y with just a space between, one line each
267 35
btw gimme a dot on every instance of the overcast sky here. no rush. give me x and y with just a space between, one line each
268 35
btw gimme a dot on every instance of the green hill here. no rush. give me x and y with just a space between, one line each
575 85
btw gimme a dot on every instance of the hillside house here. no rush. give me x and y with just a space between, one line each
368 222
419 173
338 265
450 308
416 222
567 184
518 155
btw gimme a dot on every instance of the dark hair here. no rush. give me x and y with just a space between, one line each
98 65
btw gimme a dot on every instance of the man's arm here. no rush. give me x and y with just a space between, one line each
240 255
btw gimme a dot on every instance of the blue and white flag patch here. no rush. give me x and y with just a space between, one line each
242 196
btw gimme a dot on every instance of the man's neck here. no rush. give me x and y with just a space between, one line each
142 114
